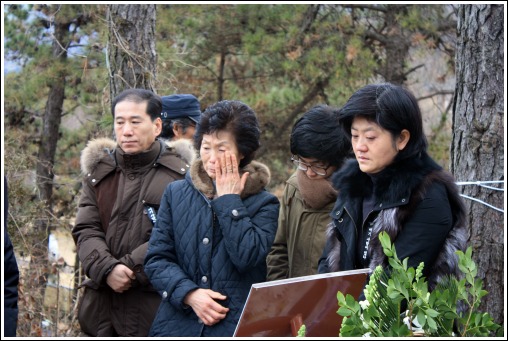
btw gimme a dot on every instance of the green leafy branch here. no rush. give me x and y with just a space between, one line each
449 310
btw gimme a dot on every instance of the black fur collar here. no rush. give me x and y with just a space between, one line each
398 179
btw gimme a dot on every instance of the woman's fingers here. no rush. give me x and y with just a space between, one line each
228 164
228 179
229 167
234 164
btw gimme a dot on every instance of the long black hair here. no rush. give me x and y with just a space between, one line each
393 108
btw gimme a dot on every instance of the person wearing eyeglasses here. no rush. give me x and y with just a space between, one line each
319 148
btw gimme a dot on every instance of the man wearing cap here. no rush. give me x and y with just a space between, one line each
180 114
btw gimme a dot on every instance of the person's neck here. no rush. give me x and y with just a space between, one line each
376 177
138 160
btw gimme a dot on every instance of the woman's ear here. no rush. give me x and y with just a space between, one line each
403 139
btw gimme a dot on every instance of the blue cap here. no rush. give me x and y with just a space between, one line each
180 106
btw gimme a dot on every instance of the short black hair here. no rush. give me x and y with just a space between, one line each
235 117
153 108
393 108
167 126
318 134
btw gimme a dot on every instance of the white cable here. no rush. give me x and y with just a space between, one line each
482 184
483 202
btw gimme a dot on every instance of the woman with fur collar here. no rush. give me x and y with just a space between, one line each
393 185
214 229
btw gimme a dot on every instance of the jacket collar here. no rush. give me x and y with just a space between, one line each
395 182
184 148
258 179
139 161
94 153
96 150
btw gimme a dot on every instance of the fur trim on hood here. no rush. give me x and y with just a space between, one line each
97 148
184 148
259 177
94 151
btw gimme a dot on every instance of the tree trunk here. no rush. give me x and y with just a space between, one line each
46 156
220 78
478 144
52 115
131 51
394 66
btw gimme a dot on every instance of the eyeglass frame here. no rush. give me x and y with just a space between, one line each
304 166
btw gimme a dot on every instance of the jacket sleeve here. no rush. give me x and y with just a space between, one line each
248 236
423 235
11 280
135 260
323 262
161 262
277 260
90 237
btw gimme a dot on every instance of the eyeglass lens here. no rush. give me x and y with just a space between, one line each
303 166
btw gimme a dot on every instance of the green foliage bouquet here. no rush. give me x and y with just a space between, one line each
433 313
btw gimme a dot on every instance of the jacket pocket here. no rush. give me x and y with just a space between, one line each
88 283
93 313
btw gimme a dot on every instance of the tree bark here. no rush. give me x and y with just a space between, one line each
131 50
478 145
220 78
52 115
393 68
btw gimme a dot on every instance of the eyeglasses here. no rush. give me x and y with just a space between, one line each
319 170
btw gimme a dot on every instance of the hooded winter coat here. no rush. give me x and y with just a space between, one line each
415 202
219 244
120 197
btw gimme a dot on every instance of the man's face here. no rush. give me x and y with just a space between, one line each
180 134
135 131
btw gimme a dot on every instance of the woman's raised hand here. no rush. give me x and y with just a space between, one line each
227 177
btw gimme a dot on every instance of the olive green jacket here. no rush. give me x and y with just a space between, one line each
300 237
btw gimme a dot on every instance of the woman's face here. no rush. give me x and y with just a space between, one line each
374 147
214 146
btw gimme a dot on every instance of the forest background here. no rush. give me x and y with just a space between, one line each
63 63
